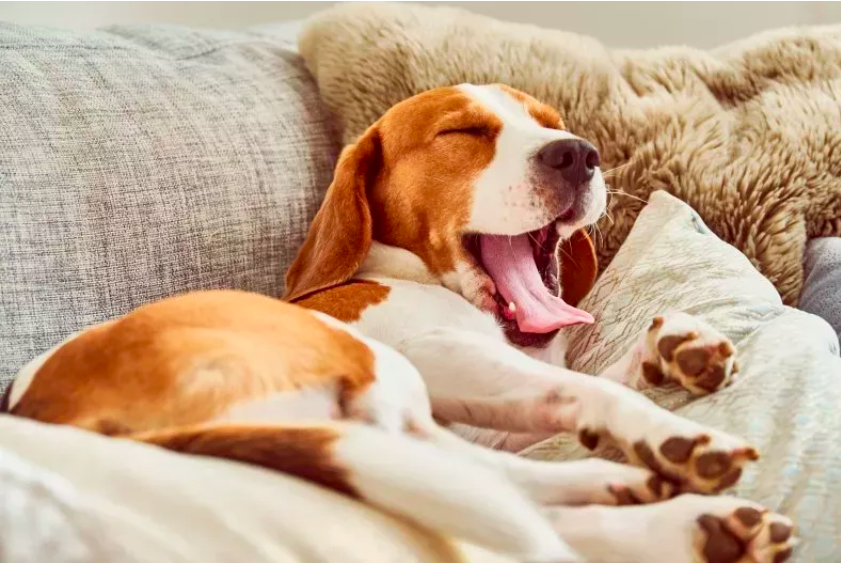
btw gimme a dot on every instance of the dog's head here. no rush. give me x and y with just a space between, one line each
482 183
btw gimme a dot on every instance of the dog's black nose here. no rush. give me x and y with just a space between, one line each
575 159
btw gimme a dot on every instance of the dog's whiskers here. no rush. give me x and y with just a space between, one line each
617 169
626 194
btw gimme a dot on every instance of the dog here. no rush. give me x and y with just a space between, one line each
422 323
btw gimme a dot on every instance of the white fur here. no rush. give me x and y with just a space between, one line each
388 261
502 201
449 493
306 404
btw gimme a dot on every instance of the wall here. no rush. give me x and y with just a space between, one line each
619 24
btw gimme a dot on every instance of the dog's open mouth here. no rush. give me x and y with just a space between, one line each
525 270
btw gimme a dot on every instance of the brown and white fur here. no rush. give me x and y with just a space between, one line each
395 319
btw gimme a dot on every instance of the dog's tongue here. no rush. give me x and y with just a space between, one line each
510 263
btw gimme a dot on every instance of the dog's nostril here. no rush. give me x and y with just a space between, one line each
593 159
567 160
575 159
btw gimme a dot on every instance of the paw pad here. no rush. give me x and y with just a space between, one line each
686 349
588 438
748 535
693 464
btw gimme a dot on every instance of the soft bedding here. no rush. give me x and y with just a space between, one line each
70 496
788 391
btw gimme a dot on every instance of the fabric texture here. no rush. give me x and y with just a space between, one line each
822 288
138 162
747 134
69 496
786 395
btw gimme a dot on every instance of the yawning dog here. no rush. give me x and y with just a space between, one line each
435 281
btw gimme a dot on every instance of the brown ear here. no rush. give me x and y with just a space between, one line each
579 267
340 234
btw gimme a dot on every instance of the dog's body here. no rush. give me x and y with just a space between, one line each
432 278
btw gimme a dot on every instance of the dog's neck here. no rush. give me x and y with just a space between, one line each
385 261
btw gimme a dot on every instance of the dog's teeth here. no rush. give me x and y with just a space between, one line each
512 307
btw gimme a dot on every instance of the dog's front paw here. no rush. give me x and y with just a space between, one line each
698 461
731 530
694 457
687 350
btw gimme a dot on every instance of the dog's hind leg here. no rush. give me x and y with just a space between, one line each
569 483
396 472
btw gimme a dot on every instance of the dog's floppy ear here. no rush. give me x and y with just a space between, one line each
340 235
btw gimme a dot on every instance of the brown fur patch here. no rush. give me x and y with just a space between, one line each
347 302
543 114
434 145
305 452
340 235
187 359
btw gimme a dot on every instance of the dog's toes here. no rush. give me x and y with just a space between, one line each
698 461
690 352
747 534
653 489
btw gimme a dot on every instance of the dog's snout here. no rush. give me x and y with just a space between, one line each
575 159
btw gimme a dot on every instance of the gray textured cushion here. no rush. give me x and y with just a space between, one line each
137 162
822 285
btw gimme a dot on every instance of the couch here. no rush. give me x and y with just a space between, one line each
141 161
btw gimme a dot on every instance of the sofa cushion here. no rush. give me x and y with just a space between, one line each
137 162
822 286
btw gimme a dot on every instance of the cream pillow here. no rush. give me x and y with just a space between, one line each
787 399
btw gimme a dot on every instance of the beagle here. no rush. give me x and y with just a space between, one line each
431 291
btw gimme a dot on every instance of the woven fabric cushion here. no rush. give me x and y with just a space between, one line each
137 162
786 396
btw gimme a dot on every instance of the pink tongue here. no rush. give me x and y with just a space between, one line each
510 263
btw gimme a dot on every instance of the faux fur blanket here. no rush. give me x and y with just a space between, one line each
748 134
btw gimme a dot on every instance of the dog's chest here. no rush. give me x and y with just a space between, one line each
414 309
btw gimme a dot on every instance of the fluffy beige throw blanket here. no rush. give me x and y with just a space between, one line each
748 134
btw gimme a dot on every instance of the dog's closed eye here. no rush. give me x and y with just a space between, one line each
475 131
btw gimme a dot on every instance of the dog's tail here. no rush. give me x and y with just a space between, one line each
394 472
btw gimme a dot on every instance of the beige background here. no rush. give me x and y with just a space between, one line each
619 24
